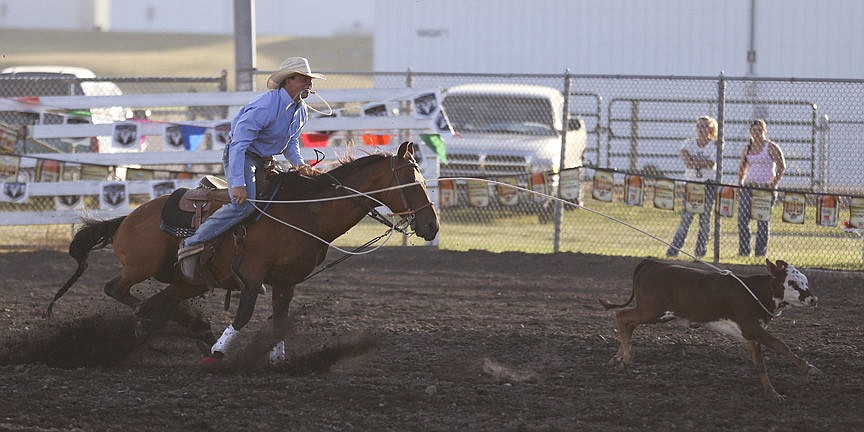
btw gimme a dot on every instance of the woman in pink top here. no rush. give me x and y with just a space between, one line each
762 166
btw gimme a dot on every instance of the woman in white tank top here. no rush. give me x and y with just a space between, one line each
699 156
761 167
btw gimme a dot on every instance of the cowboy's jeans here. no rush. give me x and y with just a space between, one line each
229 214
762 231
704 226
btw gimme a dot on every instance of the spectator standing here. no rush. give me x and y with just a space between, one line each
762 166
699 157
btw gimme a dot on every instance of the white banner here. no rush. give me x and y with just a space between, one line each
172 138
507 195
694 198
569 184
113 195
478 193
124 137
856 212
760 204
664 194
794 206
221 135
604 181
14 192
633 191
162 187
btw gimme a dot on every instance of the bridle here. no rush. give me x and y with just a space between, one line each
409 212
407 216
403 226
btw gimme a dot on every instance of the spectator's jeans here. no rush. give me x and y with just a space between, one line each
704 225
762 232
229 214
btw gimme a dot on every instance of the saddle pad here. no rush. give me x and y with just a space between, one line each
171 213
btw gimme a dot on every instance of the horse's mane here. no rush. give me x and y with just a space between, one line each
296 186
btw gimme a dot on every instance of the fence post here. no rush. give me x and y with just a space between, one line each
813 131
823 128
223 81
559 206
405 135
718 176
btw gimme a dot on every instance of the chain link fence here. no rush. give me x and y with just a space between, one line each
629 131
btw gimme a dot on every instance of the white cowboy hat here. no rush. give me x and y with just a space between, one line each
291 66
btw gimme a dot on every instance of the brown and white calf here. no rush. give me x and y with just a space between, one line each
665 292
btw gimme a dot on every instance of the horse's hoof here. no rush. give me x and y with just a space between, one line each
772 395
617 362
813 371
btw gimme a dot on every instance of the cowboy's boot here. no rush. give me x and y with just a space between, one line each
188 256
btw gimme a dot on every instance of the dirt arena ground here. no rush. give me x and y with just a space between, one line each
419 339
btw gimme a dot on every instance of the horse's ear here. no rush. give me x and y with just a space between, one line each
406 150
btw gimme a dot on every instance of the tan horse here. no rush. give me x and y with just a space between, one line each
272 252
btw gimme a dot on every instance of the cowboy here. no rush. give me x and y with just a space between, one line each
268 125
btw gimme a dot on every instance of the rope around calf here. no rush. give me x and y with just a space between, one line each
356 193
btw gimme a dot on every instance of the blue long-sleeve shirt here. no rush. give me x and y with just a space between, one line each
268 125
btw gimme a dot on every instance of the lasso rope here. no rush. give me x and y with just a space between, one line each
357 193
329 108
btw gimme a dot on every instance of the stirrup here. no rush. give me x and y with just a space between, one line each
187 257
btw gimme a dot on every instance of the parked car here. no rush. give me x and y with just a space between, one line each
38 81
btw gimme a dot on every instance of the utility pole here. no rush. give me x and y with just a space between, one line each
244 44
751 52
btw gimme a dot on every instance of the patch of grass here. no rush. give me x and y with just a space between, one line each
805 245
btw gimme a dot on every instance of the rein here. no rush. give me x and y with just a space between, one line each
403 226
407 215
346 256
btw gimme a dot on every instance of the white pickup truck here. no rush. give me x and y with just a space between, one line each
35 81
505 130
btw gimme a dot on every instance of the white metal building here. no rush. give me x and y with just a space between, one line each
273 17
789 38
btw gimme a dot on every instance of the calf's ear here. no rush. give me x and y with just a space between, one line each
772 269
776 270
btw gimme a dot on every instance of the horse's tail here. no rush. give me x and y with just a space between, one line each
609 305
95 234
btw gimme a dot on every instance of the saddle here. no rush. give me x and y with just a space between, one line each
187 209
211 193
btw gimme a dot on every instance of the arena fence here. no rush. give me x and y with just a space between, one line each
635 126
